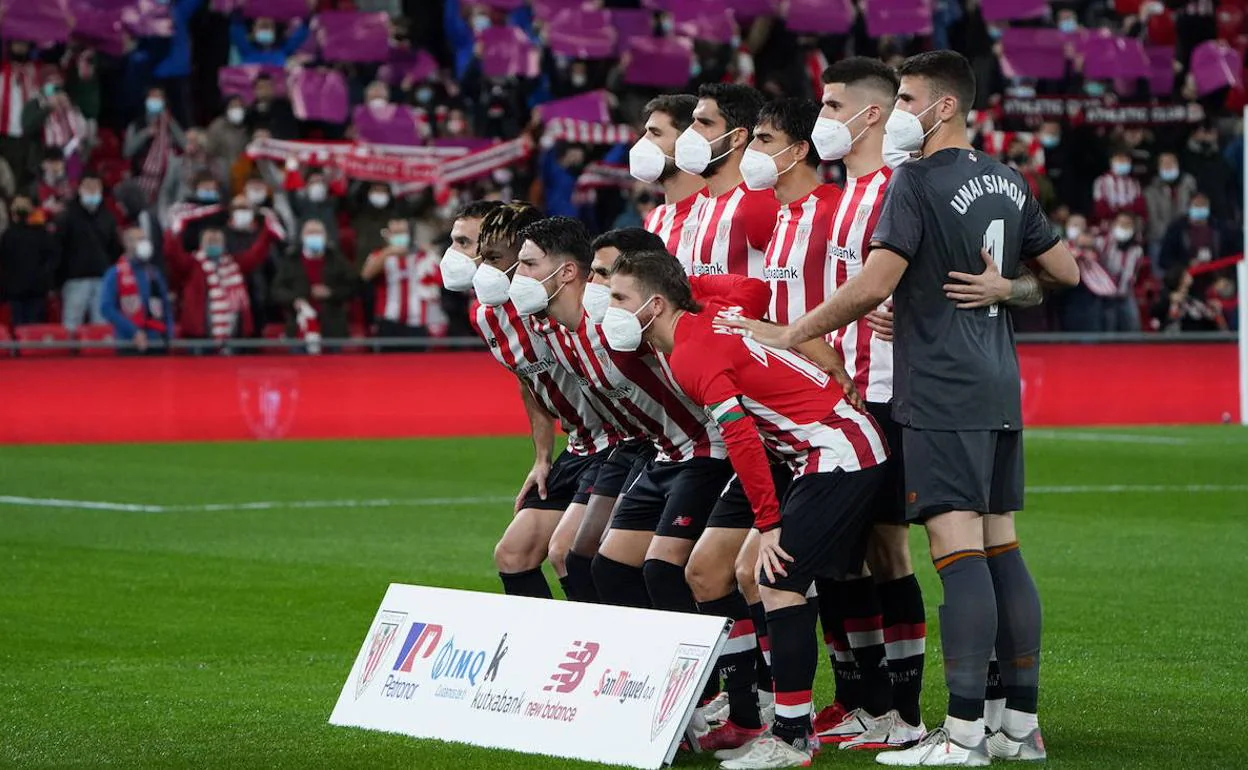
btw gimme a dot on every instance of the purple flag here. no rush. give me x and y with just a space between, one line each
820 17
100 28
1160 69
392 124
1107 56
319 94
224 6
591 107
1216 65
714 27
507 52
147 18
545 10
353 36
240 81
662 62
502 5
278 10
406 64
44 21
899 17
748 10
631 22
1033 53
585 34
1008 10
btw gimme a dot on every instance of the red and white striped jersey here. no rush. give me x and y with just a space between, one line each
409 291
18 83
731 235
668 221
796 263
526 355
638 393
868 359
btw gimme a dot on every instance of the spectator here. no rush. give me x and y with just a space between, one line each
1120 258
370 218
408 287
88 246
150 142
1177 310
186 171
28 256
213 301
138 213
244 228
135 296
316 200
267 200
263 45
1169 194
173 72
53 189
1079 309
1194 237
18 84
1202 160
1117 191
227 135
50 119
271 113
381 121
1018 156
315 276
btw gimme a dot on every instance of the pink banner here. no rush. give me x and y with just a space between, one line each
591 107
319 94
406 64
582 35
631 22
506 52
240 81
1033 53
661 62
1009 10
899 17
279 10
353 36
1160 69
713 27
1216 65
820 17
41 21
1107 56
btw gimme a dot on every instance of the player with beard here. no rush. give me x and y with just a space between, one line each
957 393
653 160
803 415
734 224
552 492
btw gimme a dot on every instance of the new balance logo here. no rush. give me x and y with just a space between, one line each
571 671
682 521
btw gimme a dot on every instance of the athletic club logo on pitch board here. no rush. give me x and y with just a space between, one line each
268 399
383 636
681 675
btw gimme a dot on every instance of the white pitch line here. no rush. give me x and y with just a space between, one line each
261 505
1134 488
1106 438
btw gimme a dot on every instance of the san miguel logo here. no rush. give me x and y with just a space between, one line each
681 676
384 634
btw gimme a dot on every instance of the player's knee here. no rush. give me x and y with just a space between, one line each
745 570
889 558
514 554
707 580
776 599
558 555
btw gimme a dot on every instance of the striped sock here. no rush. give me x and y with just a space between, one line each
736 662
864 628
905 642
793 640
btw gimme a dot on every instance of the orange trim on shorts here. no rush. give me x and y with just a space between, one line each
997 550
956 556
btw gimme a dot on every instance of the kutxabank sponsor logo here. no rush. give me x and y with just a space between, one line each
681 675
385 631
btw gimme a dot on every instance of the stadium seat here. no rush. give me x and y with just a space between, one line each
6 316
5 339
112 171
96 333
274 331
43 333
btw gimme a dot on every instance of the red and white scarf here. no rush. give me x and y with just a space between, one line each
152 173
150 318
64 126
227 294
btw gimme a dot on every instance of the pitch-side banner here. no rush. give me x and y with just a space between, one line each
583 681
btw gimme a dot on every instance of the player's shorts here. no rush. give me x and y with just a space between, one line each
825 519
890 504
617 467
969 470
733 510
673 499
570 479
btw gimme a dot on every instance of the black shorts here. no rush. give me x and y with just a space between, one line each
825 519
890 504
673 499
733 509
618 466
968 470
569 481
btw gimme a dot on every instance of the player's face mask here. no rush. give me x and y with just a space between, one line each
492 285
907 129
529 294
694 153
622 329
760 171
596 299
458 270
894 157
646 162
832 138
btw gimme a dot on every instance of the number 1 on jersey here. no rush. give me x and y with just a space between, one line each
994 244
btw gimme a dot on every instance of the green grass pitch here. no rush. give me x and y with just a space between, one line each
194 638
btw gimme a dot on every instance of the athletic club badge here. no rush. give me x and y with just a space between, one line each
681 675
379 643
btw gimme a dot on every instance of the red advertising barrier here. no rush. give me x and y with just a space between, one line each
65 400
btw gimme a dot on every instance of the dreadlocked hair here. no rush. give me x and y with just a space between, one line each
505 223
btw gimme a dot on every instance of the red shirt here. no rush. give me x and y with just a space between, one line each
796 262
796 408
668 221
732 233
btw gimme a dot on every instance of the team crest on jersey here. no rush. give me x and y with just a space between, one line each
863 215
688 233
723 230
801 235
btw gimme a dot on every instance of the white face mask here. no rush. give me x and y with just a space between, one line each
377 104
906 129
622 329
235 115
596 299
1073 233
693 151
529 294
894 157
378 199
646 162
256 196
316 192
759 169
832 139
492 285
458 270
1123 233
242 219
143 250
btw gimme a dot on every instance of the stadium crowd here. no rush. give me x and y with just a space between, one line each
134 209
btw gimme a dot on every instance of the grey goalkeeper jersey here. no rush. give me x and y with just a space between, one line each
957 369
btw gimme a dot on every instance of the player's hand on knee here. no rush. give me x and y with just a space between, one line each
880 322
536 478
972 291
771 557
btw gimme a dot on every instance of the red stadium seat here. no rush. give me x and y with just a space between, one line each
97 333
43 333
112 171
6 316
274 331
5 338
